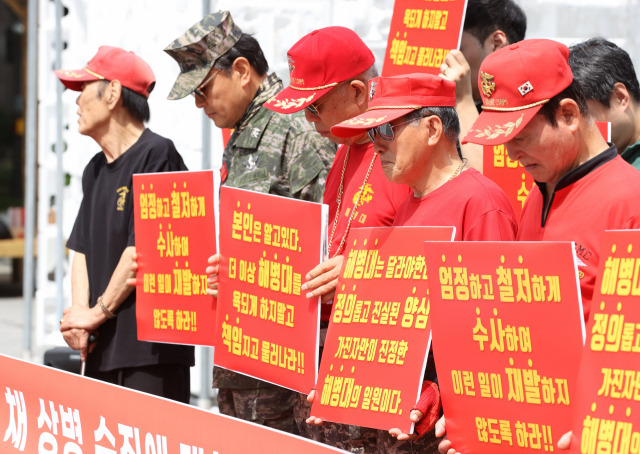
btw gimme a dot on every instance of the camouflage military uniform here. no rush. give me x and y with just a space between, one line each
276 154
268 152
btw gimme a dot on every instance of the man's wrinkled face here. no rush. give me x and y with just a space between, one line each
333 107
403 158
93 110
545 151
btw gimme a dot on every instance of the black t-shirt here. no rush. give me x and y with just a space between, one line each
103 229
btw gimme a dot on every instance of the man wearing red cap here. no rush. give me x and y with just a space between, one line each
582 186
489 25
112 109
329 70
414 127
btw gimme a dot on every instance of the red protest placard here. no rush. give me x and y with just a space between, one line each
49 411
607 413
509 175
421 35
507 336
266 327
175 235
379 335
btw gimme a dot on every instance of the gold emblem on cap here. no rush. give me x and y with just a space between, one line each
487 85
70 74
366 122
492 132
291 64
290 103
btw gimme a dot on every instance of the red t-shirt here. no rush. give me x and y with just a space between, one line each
473 204
601 194
380 199
379 202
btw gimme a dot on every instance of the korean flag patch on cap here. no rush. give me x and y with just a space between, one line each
525 88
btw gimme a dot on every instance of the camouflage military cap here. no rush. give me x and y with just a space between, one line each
198 49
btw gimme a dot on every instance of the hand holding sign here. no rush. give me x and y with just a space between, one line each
322 280
212 275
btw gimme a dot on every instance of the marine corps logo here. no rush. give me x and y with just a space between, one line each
372 90
366 197
122 197
291 65
487 85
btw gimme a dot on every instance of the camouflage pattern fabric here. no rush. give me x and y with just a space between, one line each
301 411
198 48
269 405
276 154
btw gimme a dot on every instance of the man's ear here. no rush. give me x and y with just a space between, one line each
242 68
568 113
435 130
360 92
496 40
620 96
113 93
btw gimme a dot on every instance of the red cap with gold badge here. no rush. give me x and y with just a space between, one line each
317 63
395 96
112 63
515 82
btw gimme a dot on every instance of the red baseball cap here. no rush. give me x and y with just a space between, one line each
395 96
515 82
112 63
317 63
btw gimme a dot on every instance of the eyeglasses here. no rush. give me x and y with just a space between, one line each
385 131
313 108
200 90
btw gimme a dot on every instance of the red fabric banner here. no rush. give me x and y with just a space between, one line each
47 411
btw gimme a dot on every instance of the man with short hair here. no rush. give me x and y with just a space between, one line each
112 109
608 80
414 127
329 70
582 186
226 71
489 25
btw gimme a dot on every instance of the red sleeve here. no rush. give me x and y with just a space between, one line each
495 225
429 404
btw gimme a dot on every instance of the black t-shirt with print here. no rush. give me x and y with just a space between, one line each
103 229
